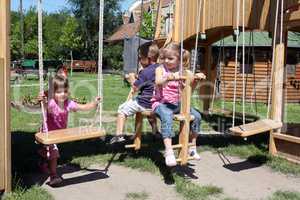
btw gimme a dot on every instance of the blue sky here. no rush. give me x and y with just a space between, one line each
54 5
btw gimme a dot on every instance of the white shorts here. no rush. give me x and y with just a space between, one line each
130 107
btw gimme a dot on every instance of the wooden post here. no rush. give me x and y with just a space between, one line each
158 20
177 21
185 125
277 91
138 130
207 88
5 139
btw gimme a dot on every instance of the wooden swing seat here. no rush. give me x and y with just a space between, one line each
256 127
68 135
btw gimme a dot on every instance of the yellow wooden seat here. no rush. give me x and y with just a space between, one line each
68 135
256 127
139 126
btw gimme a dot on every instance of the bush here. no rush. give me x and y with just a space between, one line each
112 56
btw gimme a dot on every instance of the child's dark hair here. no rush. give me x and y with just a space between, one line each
60 81
149 50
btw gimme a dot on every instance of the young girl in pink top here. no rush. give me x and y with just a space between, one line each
58 109
166 100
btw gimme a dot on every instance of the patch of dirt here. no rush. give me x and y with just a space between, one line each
115 185
239 178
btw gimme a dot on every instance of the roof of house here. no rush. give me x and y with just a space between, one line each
261 39
124 31
166 3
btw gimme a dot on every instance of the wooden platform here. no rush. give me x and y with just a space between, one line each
253 128
68 135
287 143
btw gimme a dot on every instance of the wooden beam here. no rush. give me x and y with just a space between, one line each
277 92
208 84
185 125
5 100
2 135
177 21
158 20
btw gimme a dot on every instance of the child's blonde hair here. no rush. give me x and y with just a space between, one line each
60 81
177 48
149 50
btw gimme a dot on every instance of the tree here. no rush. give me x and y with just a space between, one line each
53 24
15 37
147 28
69 38
87 14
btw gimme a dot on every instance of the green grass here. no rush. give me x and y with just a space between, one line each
137 196
191 191
285 195
33 193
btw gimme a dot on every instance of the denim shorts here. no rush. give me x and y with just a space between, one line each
166 111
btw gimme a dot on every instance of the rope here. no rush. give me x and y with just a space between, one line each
141 24
254 75
181 36
100 53
41 70
221 52
281 22
243 52
236 61
273 60
199 6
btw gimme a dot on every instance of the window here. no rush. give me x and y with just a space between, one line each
290 69
249 60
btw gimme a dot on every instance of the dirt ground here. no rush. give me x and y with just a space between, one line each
238 179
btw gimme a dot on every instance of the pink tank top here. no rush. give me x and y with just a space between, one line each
168 93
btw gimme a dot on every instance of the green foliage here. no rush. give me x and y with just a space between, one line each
137 196
285 195
73 30
33 193
70 38
147 29
191 191
53 24
87 14
112 56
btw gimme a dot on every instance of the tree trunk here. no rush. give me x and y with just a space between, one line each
71 53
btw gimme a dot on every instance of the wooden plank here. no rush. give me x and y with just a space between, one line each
2 129
5 75
277 91
253 128
68 135
287 137
287 149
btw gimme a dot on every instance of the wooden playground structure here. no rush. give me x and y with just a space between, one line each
203 22
208 20
5 139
